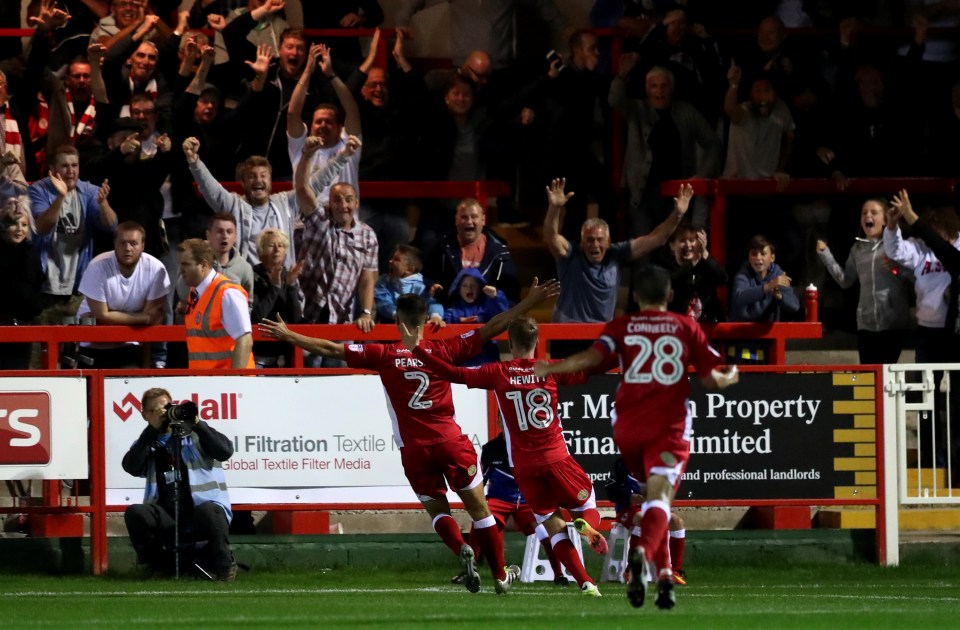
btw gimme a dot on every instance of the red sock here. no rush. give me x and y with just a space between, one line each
490 541
653 534
552 557
568 556
678 540
449 532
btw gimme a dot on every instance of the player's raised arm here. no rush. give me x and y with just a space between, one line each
538 293
584 361
278 330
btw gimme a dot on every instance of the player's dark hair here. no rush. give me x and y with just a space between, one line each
524 333
411 310
652 285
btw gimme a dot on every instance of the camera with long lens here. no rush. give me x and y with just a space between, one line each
180 415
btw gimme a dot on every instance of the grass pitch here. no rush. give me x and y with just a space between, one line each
847 596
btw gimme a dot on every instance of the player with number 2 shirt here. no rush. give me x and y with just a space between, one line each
433 450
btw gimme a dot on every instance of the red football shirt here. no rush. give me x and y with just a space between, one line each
655 349
420 403
528 405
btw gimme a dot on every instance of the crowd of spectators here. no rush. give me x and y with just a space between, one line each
153 101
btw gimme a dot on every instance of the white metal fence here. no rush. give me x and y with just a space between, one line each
920 445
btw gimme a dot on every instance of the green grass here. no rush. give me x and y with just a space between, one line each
925 595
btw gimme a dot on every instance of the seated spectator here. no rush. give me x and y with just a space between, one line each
694 275
20 280
474 244
761 292
404 277
475 302
276 295
67 213
125 287
883 308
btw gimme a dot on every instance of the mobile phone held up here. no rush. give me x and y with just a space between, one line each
554 57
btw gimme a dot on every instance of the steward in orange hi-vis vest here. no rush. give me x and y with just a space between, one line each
209 344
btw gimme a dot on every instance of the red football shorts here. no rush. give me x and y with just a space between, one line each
430 468
665 455
522 515
562 484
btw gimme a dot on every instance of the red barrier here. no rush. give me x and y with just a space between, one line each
51 336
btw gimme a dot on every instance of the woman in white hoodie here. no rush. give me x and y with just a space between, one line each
932 281
883 310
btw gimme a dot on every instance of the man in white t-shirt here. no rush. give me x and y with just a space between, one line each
330 123
125 287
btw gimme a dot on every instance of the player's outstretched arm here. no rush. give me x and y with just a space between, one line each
537 294
440 367
584 361
278 330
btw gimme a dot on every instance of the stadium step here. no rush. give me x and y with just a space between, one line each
921 482
916 519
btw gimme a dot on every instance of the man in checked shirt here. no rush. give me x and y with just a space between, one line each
340 258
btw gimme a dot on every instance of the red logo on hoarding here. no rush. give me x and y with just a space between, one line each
24 428
125 408
223 407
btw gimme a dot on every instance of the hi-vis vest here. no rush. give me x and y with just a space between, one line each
209 344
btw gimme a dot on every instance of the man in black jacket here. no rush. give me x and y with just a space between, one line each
473 244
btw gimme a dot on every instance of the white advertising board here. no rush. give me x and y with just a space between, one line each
43 428
297 439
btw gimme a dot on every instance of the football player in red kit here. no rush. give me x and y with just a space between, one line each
652 423
433 449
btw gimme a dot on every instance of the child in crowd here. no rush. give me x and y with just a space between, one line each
883 310
762 292
479 302
404 277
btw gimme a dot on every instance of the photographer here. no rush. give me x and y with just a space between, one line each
204 513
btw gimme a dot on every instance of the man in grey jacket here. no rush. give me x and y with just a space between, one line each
259 208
